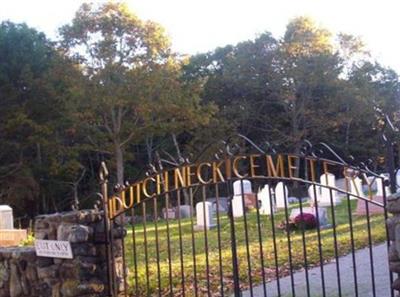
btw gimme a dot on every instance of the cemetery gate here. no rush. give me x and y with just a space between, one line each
250 224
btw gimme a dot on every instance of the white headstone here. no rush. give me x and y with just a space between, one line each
281 193
379 186
204 214
237 187
398 181
6 217
328 180
314 195
237 206
356 188
264 201
237 201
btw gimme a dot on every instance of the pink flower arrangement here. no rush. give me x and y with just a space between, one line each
306 221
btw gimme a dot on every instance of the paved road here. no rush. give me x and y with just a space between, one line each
364 279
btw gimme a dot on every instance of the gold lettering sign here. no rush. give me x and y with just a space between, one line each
115 206
204 173
272 170
253 165
180 177
145 187
190 174
235 168
216 172
311 166
200 177
292 168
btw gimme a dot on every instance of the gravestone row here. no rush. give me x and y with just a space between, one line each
272 198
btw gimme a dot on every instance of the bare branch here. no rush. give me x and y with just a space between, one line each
10 169
170 157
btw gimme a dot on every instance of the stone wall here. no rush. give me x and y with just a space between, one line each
22 273
393 224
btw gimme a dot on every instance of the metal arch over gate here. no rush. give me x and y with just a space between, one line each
248 234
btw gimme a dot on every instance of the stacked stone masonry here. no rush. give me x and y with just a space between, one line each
22 273
393 224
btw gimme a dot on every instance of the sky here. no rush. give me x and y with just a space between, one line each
201 25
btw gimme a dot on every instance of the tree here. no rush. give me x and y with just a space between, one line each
371 85
117 53
310 73
34 90
244 82
133 80
302 86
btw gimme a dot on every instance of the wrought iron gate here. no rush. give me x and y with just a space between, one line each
273 216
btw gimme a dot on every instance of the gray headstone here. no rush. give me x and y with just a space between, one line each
222 204
184 211
169 213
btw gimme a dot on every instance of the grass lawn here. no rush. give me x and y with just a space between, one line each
215 252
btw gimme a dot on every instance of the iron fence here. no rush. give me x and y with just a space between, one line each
250 225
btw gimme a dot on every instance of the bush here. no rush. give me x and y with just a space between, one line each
306 221
29 241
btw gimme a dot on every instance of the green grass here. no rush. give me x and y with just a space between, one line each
224 251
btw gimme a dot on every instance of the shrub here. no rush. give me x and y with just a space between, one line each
29 241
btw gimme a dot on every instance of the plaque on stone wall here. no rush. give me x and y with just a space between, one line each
53 249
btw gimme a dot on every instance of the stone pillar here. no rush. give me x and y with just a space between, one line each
22 273
393 224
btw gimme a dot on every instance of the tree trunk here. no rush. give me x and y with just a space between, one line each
55 208
149 149
76 196
348 125
297 113
119 162
39 153
44 204
347 140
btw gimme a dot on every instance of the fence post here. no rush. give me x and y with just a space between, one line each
107 223
234 252
390 165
